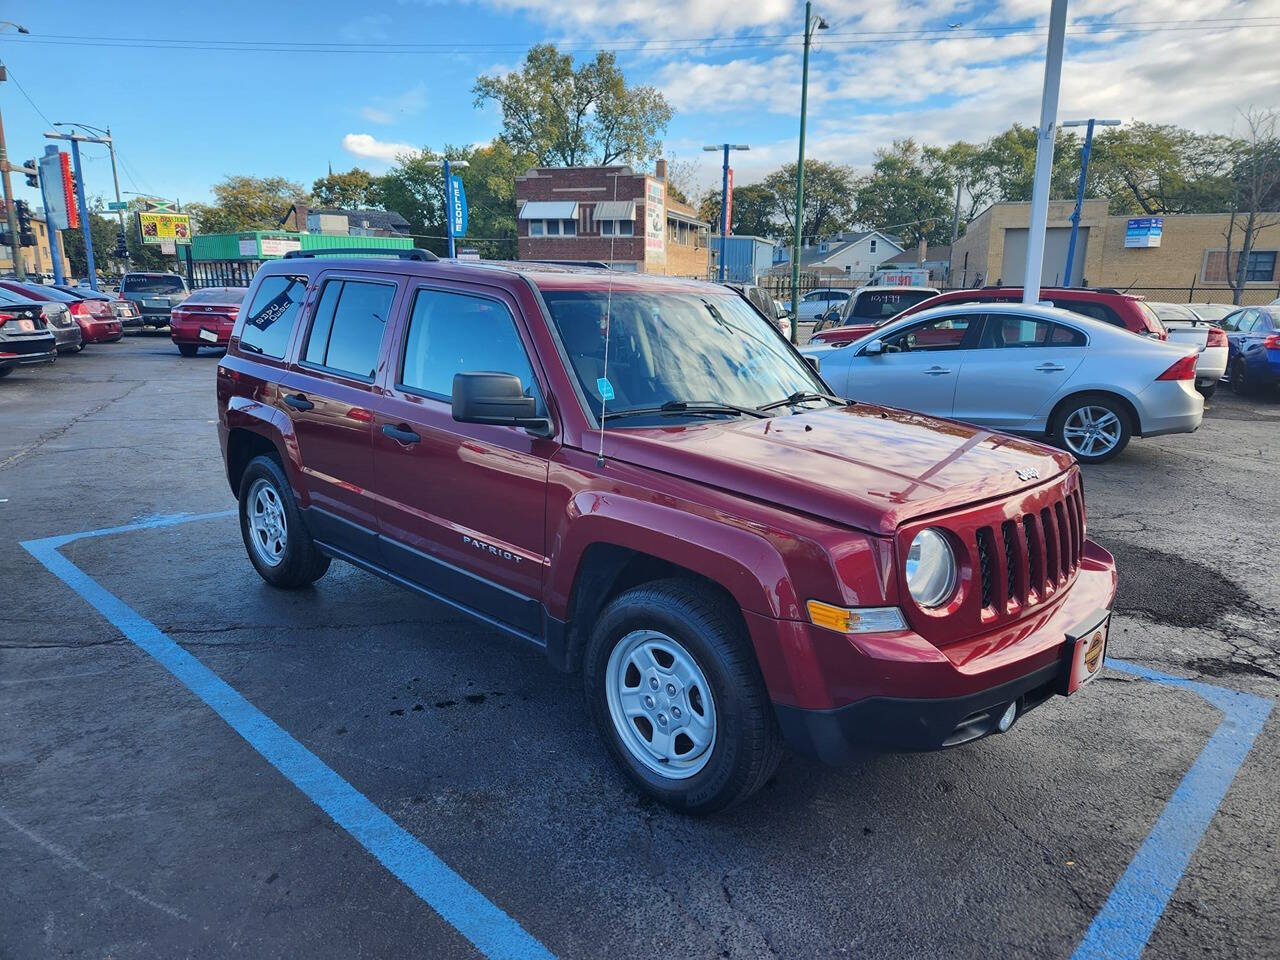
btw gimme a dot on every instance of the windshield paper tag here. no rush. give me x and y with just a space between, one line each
605 388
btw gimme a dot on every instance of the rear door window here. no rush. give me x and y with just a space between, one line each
346 333
271 315
1090 309
1005 331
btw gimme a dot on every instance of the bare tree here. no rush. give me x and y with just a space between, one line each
1254 203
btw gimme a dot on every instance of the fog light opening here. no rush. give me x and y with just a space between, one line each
1006 719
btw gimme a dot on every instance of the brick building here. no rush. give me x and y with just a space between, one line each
38 260
1113 251
612 214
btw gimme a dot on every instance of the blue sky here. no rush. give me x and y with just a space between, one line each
184 117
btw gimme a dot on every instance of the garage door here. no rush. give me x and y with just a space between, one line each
1056 240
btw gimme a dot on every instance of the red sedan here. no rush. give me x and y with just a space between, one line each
97 318
205 319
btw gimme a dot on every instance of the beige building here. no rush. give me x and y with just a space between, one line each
1112 251
36 260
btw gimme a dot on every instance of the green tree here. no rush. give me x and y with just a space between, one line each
354 190
754 210
103 230
1148 168
829 190
246 203
908 193
567 115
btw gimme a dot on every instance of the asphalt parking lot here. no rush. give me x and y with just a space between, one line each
135 821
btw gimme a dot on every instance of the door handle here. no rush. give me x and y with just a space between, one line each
401 433
298 401
1050 368
936 371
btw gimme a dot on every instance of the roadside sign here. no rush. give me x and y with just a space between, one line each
457 206
168 246
468 253
118 205
1143 231
728 204
159 227
59 197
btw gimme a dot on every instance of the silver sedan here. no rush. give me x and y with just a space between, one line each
1032 370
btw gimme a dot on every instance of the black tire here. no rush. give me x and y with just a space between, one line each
1207 390
188 349
747 744
1098 400
1241 382
5 371
301 562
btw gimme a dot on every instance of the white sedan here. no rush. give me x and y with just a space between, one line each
1187 327
1025 369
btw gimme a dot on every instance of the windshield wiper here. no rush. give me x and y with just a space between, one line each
802 396
677 407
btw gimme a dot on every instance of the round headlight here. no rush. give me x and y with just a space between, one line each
931 568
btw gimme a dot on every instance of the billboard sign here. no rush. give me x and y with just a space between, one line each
655 220
162 227
55 183
1143 231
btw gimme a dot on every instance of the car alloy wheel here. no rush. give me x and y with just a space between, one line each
1091 431
661 704
268 529
1240 378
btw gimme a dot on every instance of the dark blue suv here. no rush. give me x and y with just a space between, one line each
1253 348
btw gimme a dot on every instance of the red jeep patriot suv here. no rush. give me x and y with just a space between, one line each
640 476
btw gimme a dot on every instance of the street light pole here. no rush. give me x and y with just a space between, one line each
115 177
448 208
1084 174
724 197
811 23
1044 152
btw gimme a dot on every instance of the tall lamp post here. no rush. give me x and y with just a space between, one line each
1045 136
811 23
111 146
724 195
19 270
448 166
1084 174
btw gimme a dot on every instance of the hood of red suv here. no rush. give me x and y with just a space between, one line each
863 466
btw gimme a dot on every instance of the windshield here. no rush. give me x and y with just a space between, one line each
884 304
667 348
151 283
1153 320
1173 311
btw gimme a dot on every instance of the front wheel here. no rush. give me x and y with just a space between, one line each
276 537
675 691
1093 427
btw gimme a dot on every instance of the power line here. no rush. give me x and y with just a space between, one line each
23 89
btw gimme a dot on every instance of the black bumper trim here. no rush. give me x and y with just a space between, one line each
898 724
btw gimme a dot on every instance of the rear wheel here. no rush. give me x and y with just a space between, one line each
1093 427
275 535
188 349
1207 390
677 696
1241 382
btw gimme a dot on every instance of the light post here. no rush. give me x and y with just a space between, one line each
724 195
811 23
1084 173
1044 152
111 146
448 187
76 139
19 270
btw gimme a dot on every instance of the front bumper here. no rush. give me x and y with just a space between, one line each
837 697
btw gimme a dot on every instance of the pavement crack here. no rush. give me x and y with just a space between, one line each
51 435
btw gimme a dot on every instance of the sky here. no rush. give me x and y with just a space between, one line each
199 90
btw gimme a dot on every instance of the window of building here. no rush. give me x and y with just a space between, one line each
454 333
873 245
270 318
617 228
1259 268
553 228
346 331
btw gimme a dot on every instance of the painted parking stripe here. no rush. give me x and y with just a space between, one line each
492 931
1119 931
1126 921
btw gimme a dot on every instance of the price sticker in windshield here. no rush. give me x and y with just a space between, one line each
605 388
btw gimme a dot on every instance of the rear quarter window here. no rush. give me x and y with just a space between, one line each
269 320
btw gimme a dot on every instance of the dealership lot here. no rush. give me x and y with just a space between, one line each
137 822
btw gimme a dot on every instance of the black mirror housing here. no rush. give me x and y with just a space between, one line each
497 399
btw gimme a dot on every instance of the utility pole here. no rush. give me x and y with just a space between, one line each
115 177
955 228
1085 151
76 139
1044 152
811 23
724 196
15 245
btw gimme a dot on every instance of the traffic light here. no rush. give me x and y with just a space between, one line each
31 171
122 248
6 238
25 235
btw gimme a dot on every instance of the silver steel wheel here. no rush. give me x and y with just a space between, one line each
268 529
660 704
1091 431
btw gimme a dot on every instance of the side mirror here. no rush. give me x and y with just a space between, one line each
497 399
873 349
815 363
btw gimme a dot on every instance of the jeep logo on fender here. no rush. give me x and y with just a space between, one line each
1028 473
490 548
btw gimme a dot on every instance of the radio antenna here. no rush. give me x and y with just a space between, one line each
606 388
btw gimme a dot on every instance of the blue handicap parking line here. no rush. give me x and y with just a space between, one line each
1120 930
492 931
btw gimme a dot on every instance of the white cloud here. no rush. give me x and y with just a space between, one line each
368 146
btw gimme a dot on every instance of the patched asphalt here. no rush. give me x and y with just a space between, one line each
134 822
